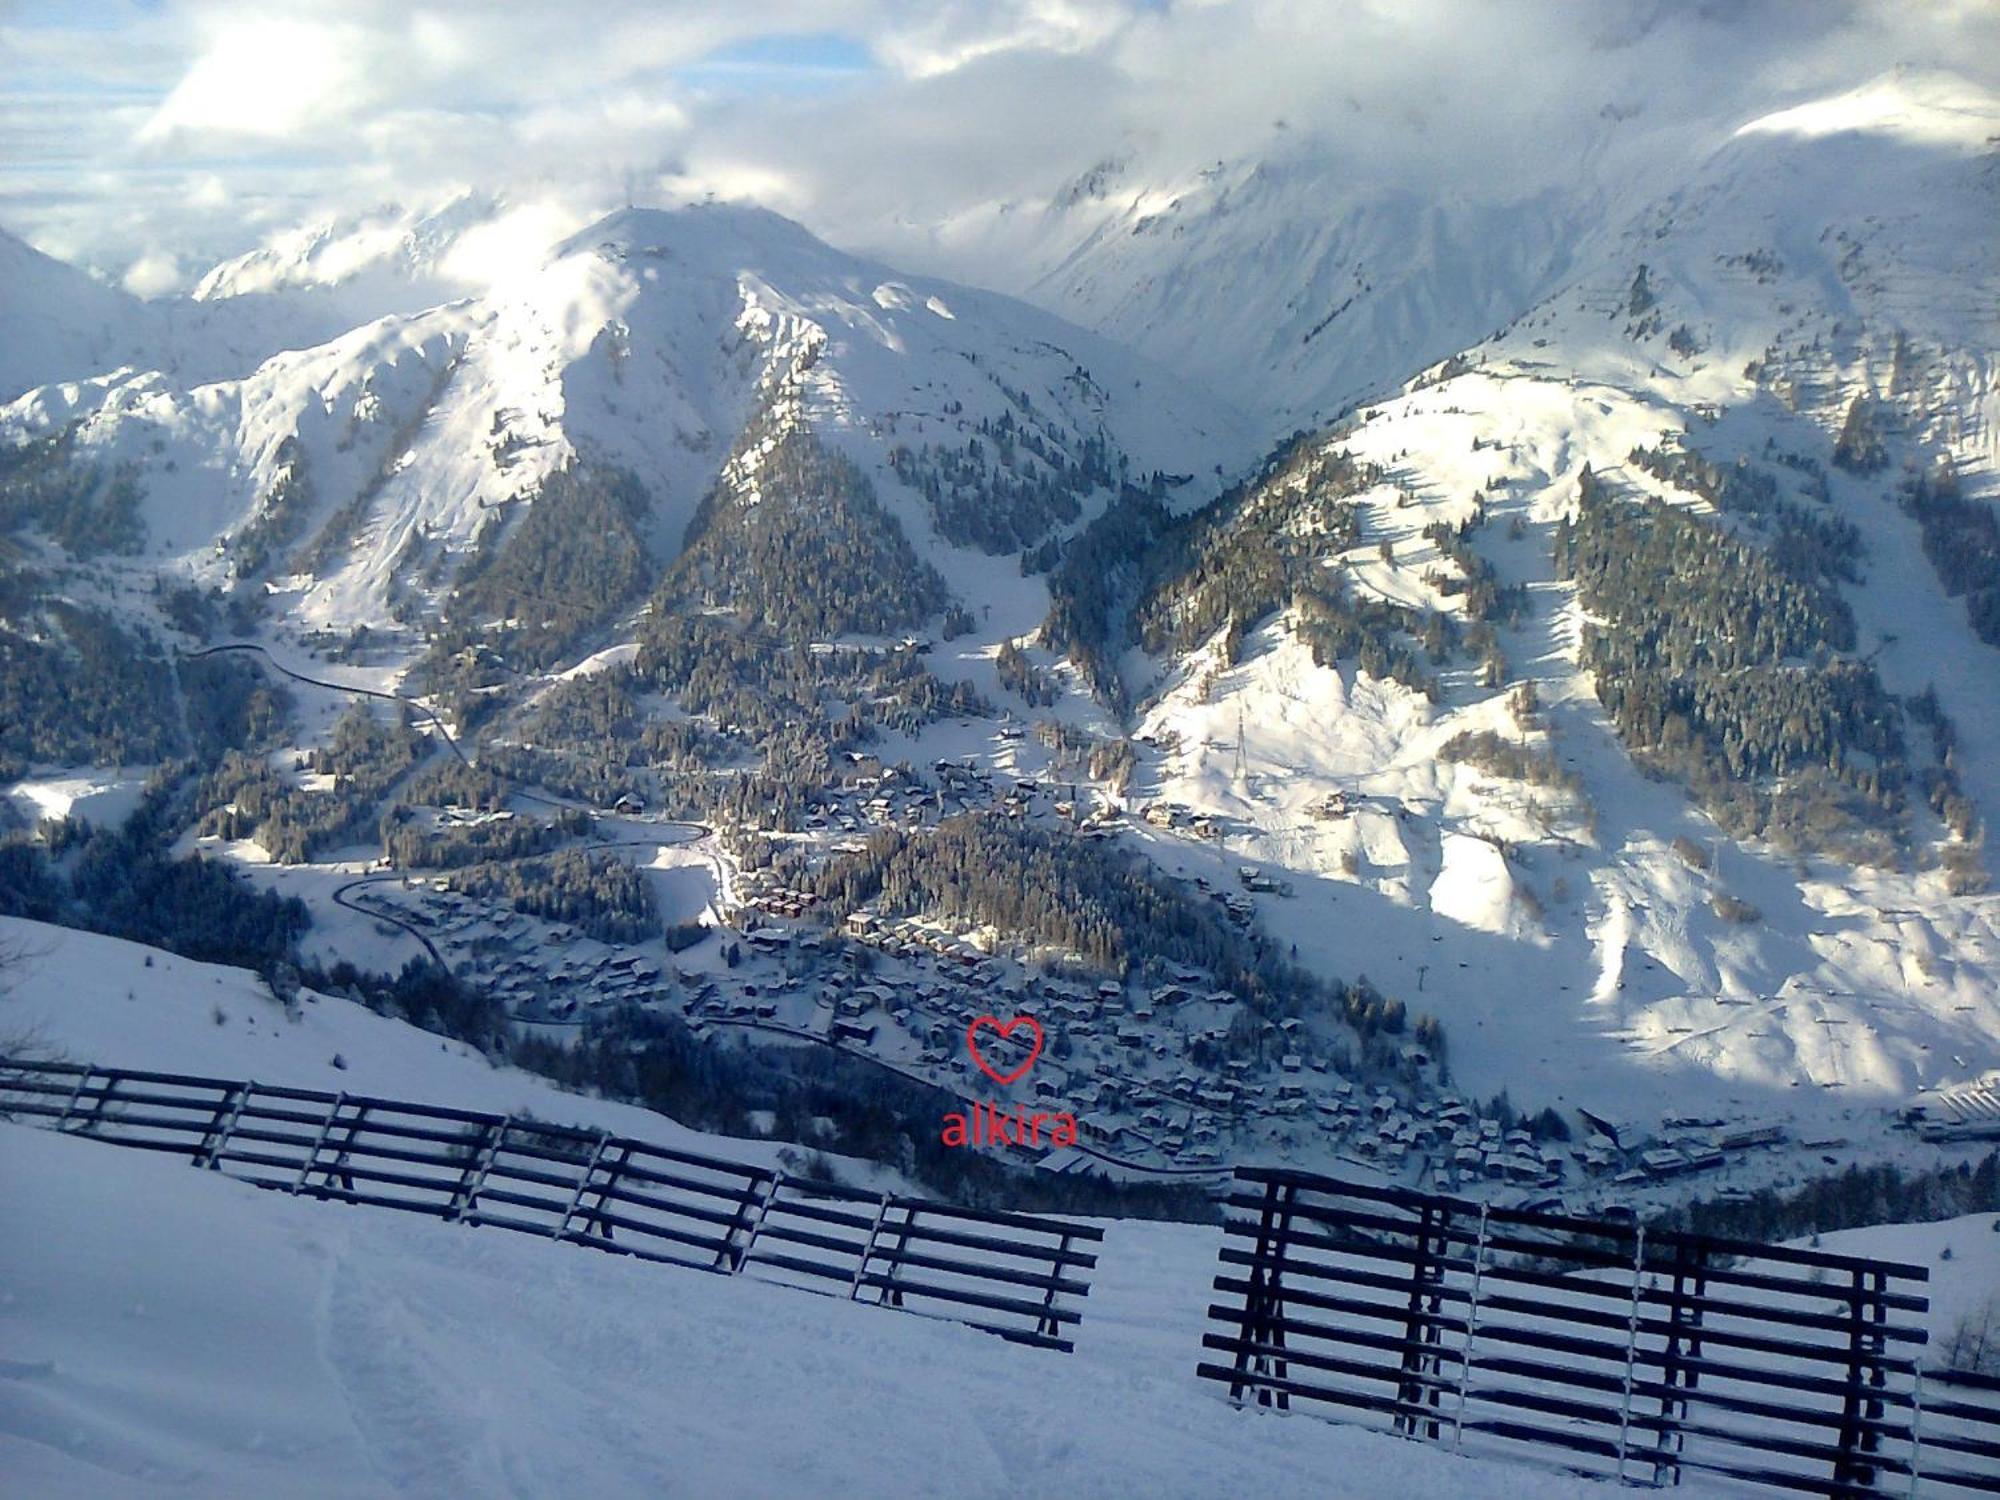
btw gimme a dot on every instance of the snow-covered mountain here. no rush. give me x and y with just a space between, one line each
646 342
1489 692
1295 294
1564 912
1299 287
395 252
61 323
64 326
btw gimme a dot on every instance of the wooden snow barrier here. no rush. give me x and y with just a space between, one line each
1958 1440
1021 1276
1607 1348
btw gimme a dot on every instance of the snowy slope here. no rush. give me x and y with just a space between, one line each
1587 962
1292 292
646 341
1833 249
400 259
164 1332
172 1333
100 1000
61 324
1297 282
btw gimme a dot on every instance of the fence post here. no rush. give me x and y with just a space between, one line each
606 1191
1861 1404
1264 1308
1048 1325
1917 1433
311 1163
227 1109
465 1196
1420 1322
889 1294
1683 1346
82 1079
1878 1372
583 1184
1471 1328
732 1255
95 1113
1631 1347
868 1249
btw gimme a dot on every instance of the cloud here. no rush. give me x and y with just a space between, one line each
511 244
942 39
154 272
198 125
271 78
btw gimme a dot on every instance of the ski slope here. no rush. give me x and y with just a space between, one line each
166 1332
87 998
171 1333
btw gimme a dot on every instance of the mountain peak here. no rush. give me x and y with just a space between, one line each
390 242
1919 106
61 323
700 231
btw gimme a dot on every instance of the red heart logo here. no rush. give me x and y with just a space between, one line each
1005 1028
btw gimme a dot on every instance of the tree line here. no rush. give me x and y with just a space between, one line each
1724 667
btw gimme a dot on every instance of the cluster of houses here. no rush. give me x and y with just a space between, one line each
1635 1155
1334 806
1240 909
1174 815
907 938
869 795
772 899
1017 796
1162 1075
540 971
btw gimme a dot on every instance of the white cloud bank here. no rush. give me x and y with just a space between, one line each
189 130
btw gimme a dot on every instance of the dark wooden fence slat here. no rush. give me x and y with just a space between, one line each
1012 1274
1331 1271
1608 1343
1330 1302
1715 1246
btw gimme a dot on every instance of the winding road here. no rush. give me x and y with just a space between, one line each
695 832
251 648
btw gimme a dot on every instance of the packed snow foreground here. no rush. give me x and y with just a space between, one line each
165 1331
170 1332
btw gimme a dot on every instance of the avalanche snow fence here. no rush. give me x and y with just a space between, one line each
1607 1348
1017 1275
